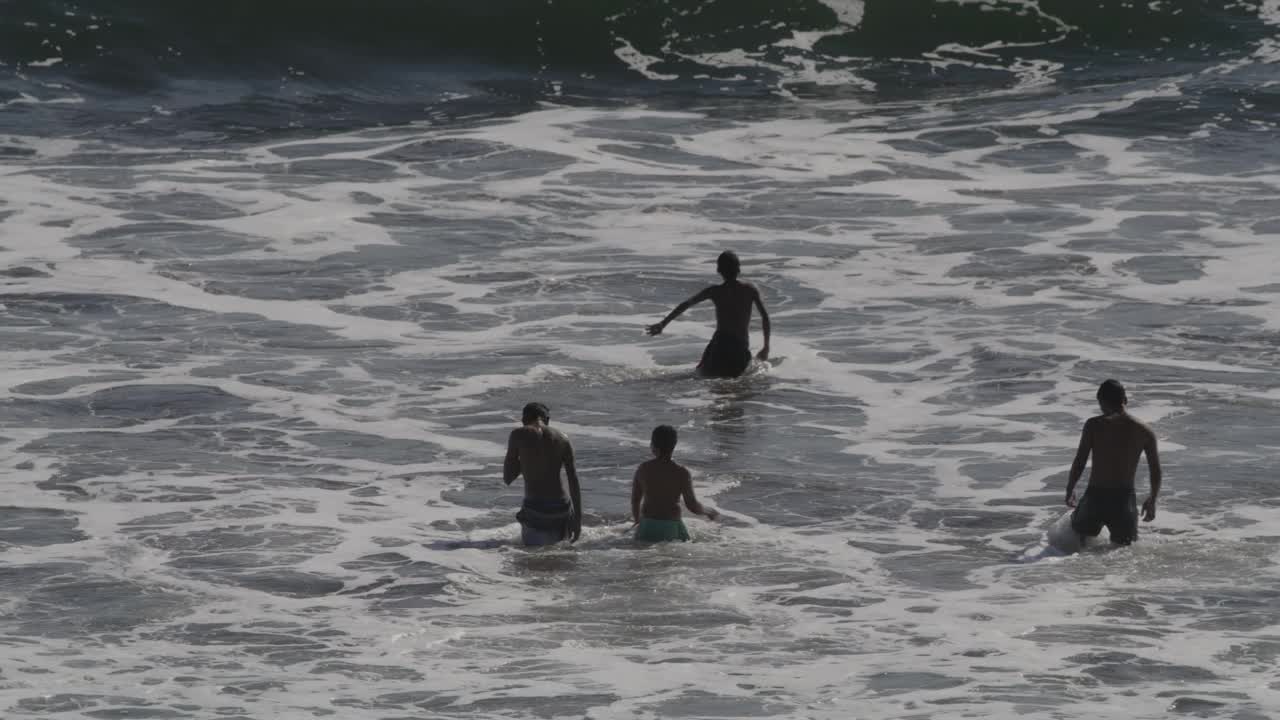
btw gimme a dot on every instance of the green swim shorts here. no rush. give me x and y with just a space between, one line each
651 530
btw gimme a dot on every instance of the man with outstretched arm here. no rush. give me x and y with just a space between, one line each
538 452
729 352
1117 440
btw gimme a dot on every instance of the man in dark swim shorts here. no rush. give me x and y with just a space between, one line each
1112 508
539 452
725 356
729 352
1116 440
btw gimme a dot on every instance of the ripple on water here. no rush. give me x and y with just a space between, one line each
38 527
72 600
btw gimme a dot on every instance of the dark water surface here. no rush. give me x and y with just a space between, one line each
276 279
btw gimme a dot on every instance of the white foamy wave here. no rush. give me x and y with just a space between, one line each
256 403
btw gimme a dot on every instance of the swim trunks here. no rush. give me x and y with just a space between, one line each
544 521
651 530
1115 508
725 356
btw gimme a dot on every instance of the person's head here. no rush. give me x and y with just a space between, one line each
728 265
1111 396
663 441
535 411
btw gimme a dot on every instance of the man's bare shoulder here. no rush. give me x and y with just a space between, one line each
644 470
1143 427
525 433
1120 422
1125 418
664 468
650 465
681 471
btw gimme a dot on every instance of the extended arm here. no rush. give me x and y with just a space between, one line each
511 465
657 329
692 503
764 322
1157 478
637 494
575 492
1077 465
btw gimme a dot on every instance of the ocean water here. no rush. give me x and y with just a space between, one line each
276 279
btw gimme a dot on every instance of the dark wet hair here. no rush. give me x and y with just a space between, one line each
1111 392
664 438
728 265
533 411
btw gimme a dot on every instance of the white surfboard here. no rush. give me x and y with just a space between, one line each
1062 538
763 366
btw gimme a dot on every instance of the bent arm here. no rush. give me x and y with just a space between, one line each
637 494
1082 457
575 491
1153 466
764 319
511 465
690 501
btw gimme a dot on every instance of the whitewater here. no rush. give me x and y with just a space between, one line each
271 303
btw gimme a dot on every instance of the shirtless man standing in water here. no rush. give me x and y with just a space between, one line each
538 452
729 352
1117 440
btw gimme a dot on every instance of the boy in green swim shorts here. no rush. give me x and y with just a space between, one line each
659 485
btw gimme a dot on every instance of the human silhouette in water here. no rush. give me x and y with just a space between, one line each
1117 440
729 352
538 451
657 489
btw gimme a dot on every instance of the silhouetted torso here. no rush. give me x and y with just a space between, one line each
543 452
733 307
663 483
1118 440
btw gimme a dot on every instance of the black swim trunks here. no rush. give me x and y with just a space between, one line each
1115 508
726 356
544 521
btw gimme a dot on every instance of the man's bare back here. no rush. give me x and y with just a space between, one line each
1117 441
733 301
539 452
662 483
657 489
729 352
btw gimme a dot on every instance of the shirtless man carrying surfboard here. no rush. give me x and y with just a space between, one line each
1117 440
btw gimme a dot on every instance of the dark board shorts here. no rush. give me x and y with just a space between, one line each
1113 508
